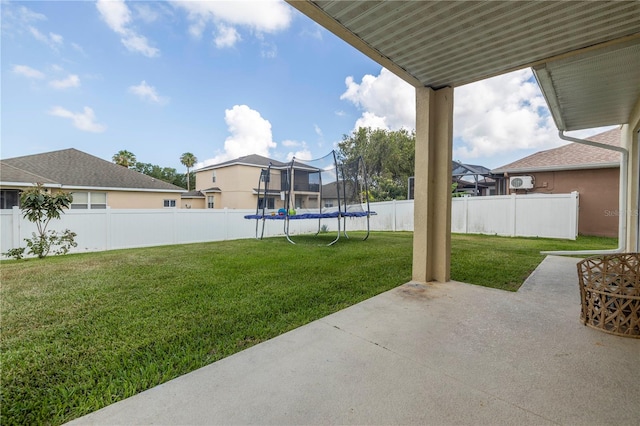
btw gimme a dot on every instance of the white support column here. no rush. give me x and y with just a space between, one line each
432 209
630 141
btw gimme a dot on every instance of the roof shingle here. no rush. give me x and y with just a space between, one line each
74 168
570 156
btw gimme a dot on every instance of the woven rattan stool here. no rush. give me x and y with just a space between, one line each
610 293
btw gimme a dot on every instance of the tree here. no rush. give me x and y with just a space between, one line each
124 158
40 207
188 160
389 157
166 174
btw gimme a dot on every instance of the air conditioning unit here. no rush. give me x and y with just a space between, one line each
521 182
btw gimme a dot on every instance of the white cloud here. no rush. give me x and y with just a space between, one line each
491 117
28 72
53 40
146 13
148 93
71 81
257 16
250 134
137 43
226 36
117 16
386 100
85 120
290 143
502 114
302 154
317 129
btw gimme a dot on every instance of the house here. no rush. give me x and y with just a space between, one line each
591 171
95 183
234 184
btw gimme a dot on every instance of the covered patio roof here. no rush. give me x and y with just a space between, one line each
586 54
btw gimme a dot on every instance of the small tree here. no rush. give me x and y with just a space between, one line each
40 207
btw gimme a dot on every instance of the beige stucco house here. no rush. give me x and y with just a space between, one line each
235 184
591 171
95 183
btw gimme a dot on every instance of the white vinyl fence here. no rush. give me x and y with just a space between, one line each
97 230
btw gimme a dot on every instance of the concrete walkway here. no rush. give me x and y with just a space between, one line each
438 354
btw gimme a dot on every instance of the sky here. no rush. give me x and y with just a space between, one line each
223 79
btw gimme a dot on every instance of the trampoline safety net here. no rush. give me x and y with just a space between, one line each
319 189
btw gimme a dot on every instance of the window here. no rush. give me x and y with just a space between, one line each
98 200
264 176
169 203
210 201
89 200
271 203
328 204
80 200
213 177
9 198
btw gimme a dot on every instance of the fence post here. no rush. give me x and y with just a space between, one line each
465 206
513 213
394 215
226 223
107 226
15 226
576 213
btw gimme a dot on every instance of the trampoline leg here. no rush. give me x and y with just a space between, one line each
337 235
367 236
286 230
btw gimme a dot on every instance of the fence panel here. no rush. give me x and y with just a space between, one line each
541 215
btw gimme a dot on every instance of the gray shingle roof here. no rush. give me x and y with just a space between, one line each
252 160
73 168
258 161
570 156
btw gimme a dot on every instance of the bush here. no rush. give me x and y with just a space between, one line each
40 207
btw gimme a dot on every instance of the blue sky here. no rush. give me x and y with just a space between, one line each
221 80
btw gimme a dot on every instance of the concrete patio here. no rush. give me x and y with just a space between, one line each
438 354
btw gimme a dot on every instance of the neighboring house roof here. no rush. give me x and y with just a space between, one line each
192 194
460 169
214 189
13 175
73 169
573 156
256 160
247 160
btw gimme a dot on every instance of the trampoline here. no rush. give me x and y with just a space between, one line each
322 189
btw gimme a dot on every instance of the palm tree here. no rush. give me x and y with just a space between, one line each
188 160
124 158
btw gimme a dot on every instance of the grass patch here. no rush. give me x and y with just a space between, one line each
80 332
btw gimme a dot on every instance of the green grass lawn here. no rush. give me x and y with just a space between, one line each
80 332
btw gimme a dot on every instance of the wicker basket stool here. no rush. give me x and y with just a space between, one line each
610 293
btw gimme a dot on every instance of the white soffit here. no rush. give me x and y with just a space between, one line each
451 43
597 88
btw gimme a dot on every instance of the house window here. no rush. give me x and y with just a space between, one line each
271 203
264 176
328 204
89 200
80 200
213 177
209 201
9 198
97 200
169 203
